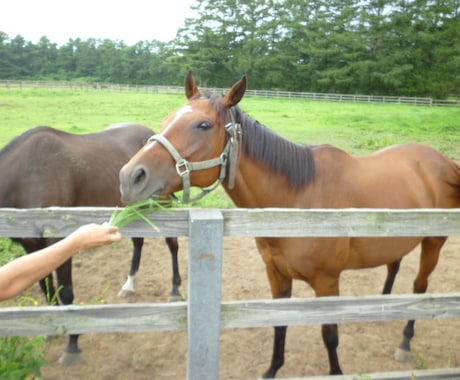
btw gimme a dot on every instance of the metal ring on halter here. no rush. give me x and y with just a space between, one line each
183 167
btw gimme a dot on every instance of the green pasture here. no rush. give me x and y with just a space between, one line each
359 128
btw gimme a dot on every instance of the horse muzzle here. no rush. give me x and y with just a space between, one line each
136 184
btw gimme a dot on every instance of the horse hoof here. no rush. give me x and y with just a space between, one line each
70 358
403 355
125 293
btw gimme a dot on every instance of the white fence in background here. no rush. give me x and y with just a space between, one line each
257 93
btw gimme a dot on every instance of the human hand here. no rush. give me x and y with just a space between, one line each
94 235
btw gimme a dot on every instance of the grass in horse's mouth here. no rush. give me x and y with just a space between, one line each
139 210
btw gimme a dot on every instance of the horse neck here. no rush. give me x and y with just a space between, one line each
255 189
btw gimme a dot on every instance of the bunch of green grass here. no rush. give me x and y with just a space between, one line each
139 210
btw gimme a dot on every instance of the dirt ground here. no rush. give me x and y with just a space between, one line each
245 353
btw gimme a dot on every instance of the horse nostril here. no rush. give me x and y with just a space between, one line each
140 176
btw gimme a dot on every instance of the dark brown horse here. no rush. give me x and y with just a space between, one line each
46 167
211 139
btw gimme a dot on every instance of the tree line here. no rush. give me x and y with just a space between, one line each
379 47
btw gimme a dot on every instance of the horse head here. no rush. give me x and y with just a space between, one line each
197 146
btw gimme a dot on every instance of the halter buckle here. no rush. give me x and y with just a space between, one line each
183 167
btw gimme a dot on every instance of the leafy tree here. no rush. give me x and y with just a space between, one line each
391 47
110 56
43 57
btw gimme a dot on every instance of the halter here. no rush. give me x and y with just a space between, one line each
230 156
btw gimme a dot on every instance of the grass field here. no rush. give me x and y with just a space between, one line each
356 127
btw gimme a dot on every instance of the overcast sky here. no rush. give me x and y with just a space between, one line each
130 21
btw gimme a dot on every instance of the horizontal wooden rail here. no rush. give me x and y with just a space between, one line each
139 317
270 222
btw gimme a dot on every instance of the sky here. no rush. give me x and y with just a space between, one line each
129 21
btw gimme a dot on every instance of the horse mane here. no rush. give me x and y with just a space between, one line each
296 161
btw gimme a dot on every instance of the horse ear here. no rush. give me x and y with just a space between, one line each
191 88
236 93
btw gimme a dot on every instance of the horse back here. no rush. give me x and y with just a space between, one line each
400 176
48 167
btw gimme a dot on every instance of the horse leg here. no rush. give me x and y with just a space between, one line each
72 354
431 248
281 287
392 271
330 334
173 246
127 290
279 343
324 286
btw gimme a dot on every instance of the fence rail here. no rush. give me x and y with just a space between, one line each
204 314
357 98
141 317
267 222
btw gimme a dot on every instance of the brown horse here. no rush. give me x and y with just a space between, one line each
211 135
46 167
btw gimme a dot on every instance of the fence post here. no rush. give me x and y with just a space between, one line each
206 231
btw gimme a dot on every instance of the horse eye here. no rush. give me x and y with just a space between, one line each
204 125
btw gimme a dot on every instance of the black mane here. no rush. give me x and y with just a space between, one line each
281 155
296 161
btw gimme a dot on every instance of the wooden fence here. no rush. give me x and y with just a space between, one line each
356 98
204 314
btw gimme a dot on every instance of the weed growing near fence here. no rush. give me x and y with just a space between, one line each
22 357
9 251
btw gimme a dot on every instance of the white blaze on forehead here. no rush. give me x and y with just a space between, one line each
181 112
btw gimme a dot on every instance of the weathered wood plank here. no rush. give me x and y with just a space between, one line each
70 319
341 222
60 221
343 309
57 222
234 314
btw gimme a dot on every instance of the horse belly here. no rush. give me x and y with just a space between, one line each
373 252
301 258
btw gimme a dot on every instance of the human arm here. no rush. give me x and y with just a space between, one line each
19 274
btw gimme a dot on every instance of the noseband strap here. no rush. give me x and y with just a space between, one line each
185 167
